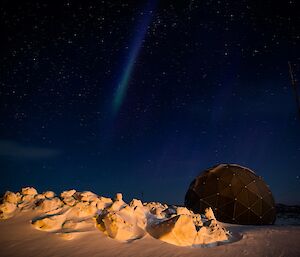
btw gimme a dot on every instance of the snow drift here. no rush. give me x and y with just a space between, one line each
73 212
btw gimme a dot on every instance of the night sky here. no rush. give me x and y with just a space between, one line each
140 96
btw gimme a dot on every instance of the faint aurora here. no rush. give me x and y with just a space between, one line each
140 33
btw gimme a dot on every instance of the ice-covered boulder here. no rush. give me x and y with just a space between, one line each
122 221
49 223
182 230
121 229
7 210
68 193
103 202
118 203
83 209
70 201
210 234
215 232
28 198
125 225
49 194
68 197
88 196
182 211
39 197
209 214
157 209
47 205
197 220
28 191
179 230
136 203
12 197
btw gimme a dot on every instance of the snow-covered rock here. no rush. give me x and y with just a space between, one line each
47 205
12 197
118 203
214 233
28 198
179 230
104 202
29 191
50 223
209 214
74 211
83 209
7 210
121 221
70 201
157 209
49 194
182 230
39 197
68 193
120 228
183 211
197 220
88 196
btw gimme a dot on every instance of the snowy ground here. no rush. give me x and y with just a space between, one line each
22 235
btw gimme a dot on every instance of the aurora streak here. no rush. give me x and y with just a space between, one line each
140 33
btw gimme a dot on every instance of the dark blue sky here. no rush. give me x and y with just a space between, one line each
113 96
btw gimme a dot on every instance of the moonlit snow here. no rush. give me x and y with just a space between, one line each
72 213
84 224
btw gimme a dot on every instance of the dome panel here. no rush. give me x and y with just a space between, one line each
257 208
242 196
239 209
227 192
224 200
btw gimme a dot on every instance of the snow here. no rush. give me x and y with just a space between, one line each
115 218
49 194
7 210
99 226
11 197
29 191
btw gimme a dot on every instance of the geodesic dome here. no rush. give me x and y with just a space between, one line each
236 195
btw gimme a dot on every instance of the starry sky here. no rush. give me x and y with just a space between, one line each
140 96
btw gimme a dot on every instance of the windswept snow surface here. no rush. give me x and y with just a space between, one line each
84 224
